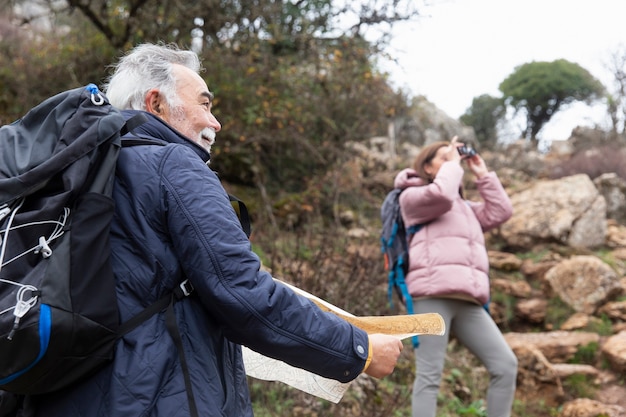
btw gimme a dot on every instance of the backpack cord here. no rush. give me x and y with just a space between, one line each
6 231
42 248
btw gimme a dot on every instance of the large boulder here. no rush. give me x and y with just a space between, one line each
584 282
568 211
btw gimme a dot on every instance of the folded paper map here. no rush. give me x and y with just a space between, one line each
401 326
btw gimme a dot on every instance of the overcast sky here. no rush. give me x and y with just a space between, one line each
460 49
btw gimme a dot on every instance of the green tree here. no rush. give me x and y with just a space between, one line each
483 115
540 89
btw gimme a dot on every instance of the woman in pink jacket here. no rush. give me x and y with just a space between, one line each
449 267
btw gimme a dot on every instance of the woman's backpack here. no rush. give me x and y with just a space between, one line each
395 248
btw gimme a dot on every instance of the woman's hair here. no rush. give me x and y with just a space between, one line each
426 156
144 68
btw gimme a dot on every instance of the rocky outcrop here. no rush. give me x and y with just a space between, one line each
546 359
584 282
569 211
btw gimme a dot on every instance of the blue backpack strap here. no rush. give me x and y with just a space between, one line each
391 277
396 279
408 301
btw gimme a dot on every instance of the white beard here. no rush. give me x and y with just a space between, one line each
207 138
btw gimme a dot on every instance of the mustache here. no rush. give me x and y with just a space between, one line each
208 134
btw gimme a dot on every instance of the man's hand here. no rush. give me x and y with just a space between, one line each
385 353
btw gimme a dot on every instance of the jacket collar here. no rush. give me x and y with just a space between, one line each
156 128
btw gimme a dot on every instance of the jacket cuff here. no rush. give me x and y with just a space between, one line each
370 353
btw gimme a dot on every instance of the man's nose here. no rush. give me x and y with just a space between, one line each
214 123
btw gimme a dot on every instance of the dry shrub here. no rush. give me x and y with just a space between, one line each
593 162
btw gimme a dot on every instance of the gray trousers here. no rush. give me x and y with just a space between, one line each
476 330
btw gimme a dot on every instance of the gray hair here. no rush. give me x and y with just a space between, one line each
147 67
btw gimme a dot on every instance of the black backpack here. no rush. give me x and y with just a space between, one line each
394 246
59 319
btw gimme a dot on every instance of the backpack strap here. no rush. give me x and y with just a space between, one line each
396 280
400 283
184 289
132 123
244 217
172 328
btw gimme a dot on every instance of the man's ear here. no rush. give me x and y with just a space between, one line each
154 102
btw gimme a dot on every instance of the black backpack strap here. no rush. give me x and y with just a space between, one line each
132 123
172 328
141 140
184 289
167 302
244 217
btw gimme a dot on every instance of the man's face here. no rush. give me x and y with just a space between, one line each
192 115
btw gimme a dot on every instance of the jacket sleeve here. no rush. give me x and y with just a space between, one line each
250 307
496 207
424 203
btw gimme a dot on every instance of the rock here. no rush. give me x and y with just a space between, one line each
615 310
556 346
536 270
535 372
563 370
533 310
614 349
584 407
589 230
616 237
584 282
504 261
569 210
613 189
576 322
519 289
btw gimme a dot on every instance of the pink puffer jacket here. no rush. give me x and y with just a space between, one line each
447 257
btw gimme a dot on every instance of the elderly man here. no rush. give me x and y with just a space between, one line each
173 221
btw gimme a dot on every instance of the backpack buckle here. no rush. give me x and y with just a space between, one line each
186 288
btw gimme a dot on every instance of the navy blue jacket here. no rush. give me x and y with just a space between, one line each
173 219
